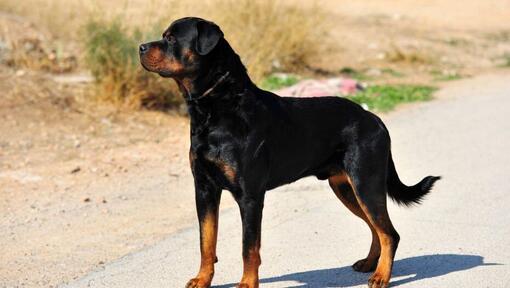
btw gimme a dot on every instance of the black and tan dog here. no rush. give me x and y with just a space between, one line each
247 140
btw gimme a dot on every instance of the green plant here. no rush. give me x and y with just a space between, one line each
386 97
277 81
112 57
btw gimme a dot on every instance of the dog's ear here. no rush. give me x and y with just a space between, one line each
209 34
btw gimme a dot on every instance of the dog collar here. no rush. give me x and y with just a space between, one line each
208 91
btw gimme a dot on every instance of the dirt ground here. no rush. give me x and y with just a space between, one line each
82 184
419 40
82 188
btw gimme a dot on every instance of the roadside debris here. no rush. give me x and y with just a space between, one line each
319 88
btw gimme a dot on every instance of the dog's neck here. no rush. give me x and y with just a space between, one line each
188 89
218 91
223 79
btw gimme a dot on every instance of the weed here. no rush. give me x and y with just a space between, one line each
385 97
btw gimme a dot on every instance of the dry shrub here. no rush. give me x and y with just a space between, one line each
112 57
270 36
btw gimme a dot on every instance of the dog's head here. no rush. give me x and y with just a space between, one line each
183 49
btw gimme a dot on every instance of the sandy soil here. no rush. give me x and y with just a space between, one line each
83 184
82 187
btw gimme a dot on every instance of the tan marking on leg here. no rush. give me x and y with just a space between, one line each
387 243
251 268
337 180
209 236
349 200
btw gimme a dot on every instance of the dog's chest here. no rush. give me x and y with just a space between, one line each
215 152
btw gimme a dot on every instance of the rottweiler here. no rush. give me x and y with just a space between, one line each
248 141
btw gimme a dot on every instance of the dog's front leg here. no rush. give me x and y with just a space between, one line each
251 215
207 197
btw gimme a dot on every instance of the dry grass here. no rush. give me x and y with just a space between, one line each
269 35
112 57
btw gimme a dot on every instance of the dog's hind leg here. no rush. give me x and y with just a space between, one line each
368 178
340 183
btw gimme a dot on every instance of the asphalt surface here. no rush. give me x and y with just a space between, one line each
459 236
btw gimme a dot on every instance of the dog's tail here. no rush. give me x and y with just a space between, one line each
403 194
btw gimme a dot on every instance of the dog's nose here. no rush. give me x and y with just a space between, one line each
144 48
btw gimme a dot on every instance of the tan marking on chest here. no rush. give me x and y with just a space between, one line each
227 169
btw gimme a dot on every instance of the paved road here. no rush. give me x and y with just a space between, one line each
459 237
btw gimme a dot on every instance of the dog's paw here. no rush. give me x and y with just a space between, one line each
377 281
248 283
198 283
364 265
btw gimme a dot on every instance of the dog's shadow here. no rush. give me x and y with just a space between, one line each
416 268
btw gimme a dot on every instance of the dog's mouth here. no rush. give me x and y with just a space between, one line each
144 66
165 74
162 73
